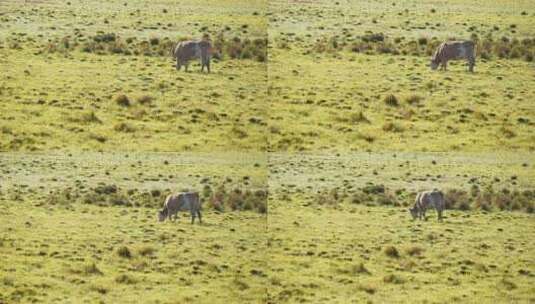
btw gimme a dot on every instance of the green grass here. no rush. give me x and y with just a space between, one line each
141 171
344 255
314 100
67 100
310 172
53 254
94 139
336 101
56 248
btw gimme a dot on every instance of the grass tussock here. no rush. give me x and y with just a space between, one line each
391 100
391 252
122 100
486 199
216 197
125 279
488 47
124 252
237 47
91 269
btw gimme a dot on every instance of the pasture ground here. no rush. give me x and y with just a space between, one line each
67 116
359 254
339 100
57 252
71 100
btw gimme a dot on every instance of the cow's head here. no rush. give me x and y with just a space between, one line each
434 64
162 214
414 212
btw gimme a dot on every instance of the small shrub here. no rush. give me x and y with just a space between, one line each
125 279
368 288
99 289
154 41
105 37
239 133
394 279
91 269
147 250
98 137
359 269
124 127
367 137
358 117
374 189
391 100
124 252
413 99
508 133
392 252
106 189
144 100
90 117
414 251
122 100
393 127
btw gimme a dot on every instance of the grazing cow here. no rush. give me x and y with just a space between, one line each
185 51
454 50
184 201
428 199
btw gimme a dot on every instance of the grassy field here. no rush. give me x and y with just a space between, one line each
73 100
358 254
310 172
78 255
56 249
307 143
335 249
338 100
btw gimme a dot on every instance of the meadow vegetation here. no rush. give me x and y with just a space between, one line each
355 76
84 226
307 143
110 81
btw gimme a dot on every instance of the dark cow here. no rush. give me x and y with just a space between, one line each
184 201
454 50
428 199
185 51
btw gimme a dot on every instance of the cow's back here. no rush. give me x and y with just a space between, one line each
432 199
457 50
189 201
186 50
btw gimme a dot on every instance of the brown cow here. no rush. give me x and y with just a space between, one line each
454 50
185 51
183 201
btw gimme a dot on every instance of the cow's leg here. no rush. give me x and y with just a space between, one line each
208 66
177 64
186 65
192 217
439 215
444 65
471 64
200 216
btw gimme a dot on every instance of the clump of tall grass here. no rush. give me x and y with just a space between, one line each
101 43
